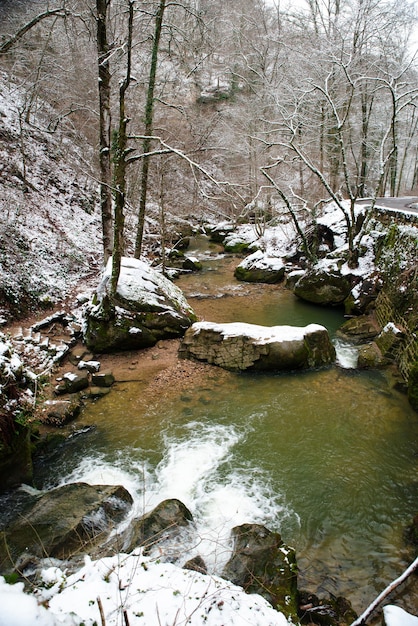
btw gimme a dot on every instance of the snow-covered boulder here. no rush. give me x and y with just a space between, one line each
238 346
147 307
259 268
323 287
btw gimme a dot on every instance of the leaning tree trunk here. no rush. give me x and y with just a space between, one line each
149 117
104 128
120 165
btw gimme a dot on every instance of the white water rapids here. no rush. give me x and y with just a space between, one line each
198 470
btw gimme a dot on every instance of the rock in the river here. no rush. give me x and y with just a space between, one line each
63 522
359 329
413 386
369 356
148 530
238 346
259 268
60 412
147 307
72 382
323 287
261 563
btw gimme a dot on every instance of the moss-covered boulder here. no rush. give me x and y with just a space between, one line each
15 453
165 519
359 329
413 386
327 288
147 307
259 268
389 340
63 522
370 357
261 563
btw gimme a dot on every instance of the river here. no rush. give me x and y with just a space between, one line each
328 458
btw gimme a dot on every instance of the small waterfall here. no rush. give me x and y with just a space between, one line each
347 354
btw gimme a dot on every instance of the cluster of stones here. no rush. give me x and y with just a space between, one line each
75 519
87 382
42 346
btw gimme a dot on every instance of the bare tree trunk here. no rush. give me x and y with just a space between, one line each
149 118
104 128
120 164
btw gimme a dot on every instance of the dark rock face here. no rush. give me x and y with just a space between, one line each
63 522
147 307
324 288
148 530
15 454
262 563
247 346
413 386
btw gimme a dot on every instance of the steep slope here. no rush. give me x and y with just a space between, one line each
49 218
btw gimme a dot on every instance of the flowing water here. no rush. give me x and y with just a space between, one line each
326 457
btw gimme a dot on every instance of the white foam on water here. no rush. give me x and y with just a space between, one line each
347 354
200 469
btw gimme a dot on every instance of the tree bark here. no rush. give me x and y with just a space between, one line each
149 118
120 165
104 128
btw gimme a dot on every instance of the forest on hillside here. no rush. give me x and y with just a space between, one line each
243 110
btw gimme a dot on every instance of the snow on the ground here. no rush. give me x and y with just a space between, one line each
49 219
151 594
395 616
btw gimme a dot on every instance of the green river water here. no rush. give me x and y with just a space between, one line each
328 458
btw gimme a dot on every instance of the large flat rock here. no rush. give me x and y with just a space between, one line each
239 346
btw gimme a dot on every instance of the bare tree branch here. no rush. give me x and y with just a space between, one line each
62 12
363 617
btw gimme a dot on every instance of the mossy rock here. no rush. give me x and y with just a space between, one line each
146 307
239 247
321 287
16 457
359 329
370 356
148 530
65 521
413 386
261 563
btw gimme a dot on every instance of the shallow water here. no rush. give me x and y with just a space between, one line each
328 458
